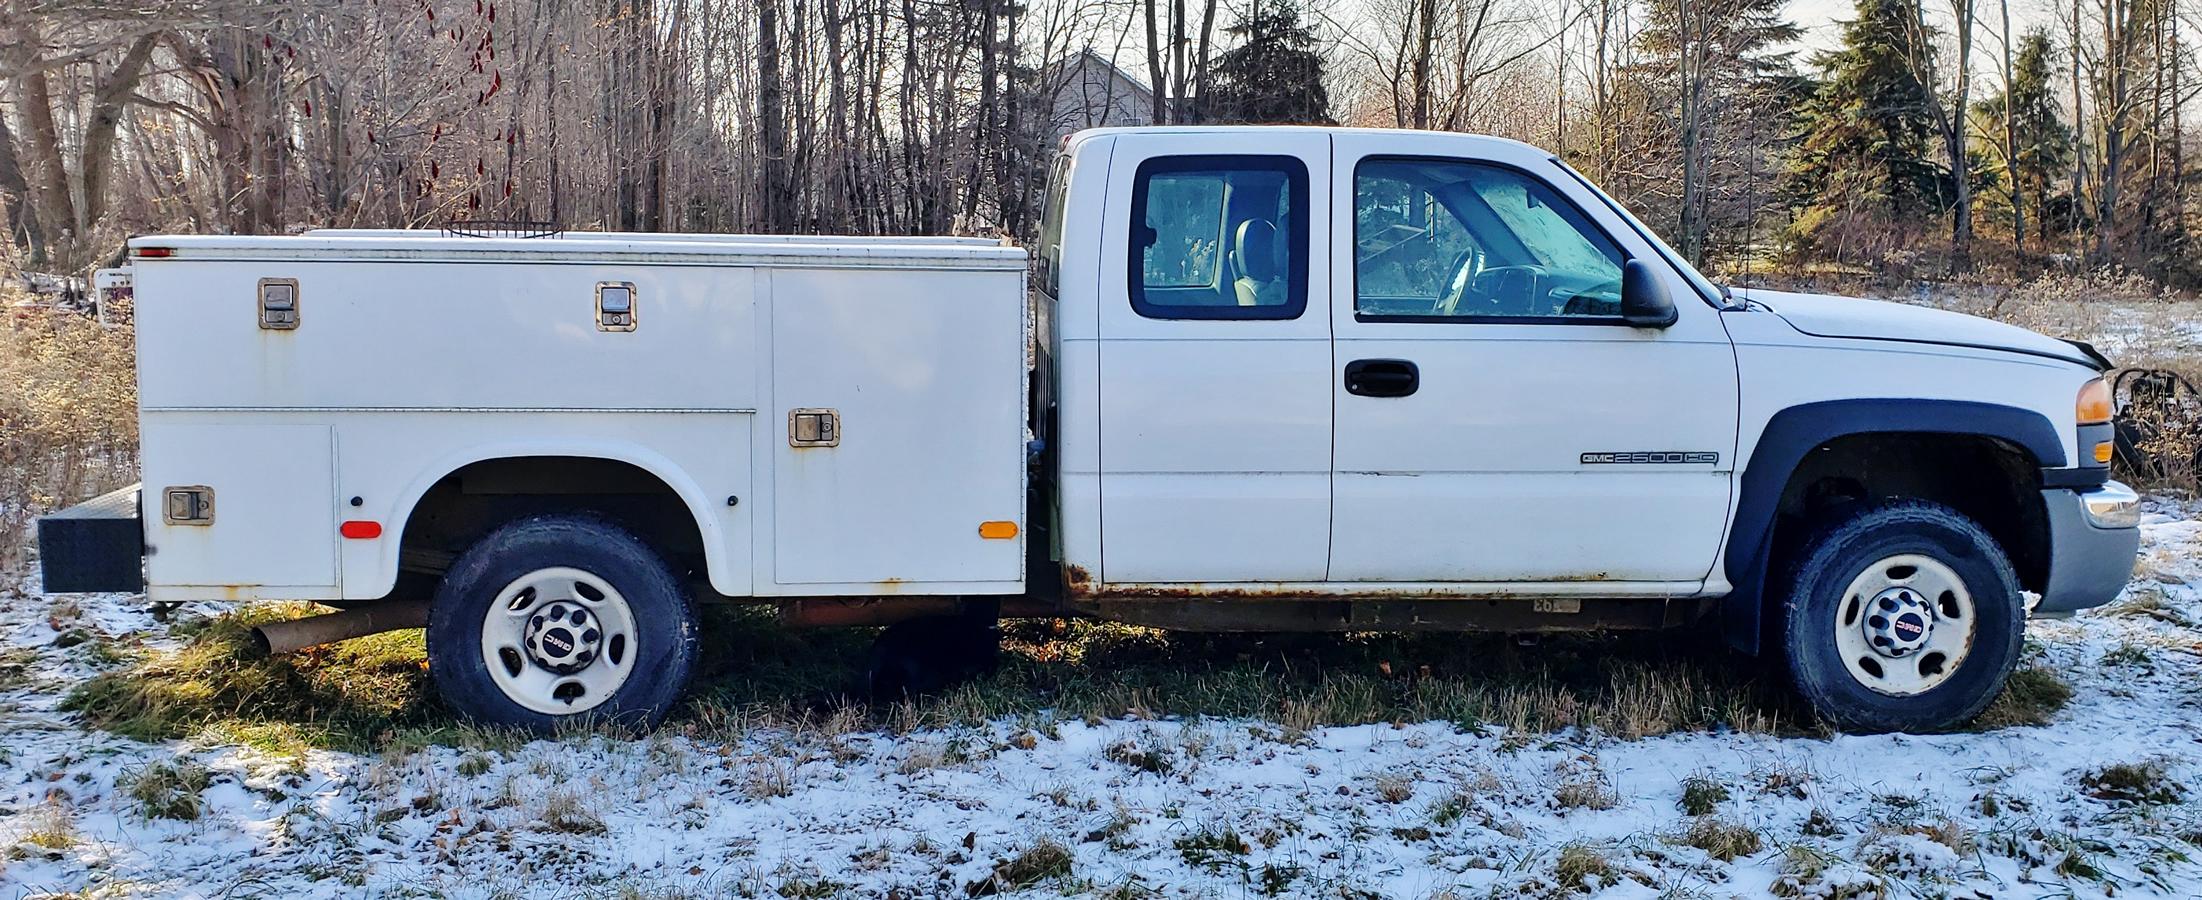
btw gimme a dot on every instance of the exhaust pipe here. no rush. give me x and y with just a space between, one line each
313 631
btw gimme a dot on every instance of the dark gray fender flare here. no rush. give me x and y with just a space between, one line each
1793 432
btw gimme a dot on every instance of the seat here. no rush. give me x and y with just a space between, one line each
1254 257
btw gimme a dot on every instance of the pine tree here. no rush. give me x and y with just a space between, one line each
2042 149
1274 76
1865 159
1714 74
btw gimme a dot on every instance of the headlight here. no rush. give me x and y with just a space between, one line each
2095 405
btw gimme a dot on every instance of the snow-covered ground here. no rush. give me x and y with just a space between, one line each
1130 808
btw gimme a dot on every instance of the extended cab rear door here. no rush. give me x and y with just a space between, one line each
1215 358
1496 422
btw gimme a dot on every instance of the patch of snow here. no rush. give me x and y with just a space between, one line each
1220 807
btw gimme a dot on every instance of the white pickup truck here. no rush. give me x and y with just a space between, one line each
1263 379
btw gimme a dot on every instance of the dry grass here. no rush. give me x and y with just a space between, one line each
68 418
1721 839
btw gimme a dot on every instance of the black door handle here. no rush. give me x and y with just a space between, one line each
1382 377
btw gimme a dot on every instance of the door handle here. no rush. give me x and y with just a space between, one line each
1382 377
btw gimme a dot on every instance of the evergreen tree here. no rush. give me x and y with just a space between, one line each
1274 75
1865 158
1713 78
2040 151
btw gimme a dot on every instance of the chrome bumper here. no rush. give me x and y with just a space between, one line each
2094 536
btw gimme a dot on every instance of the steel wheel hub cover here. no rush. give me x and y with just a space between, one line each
563 638
1899 622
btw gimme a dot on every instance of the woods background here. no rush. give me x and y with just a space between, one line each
1954 137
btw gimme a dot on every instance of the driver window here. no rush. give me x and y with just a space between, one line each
1456 240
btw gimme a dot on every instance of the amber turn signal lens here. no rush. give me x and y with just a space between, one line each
2095 405
2102 452
997 531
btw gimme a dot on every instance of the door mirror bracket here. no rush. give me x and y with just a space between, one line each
1645 300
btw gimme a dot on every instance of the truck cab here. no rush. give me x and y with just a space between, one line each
1273 378
1380 379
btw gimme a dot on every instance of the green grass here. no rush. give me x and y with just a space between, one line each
373 694
171 790
355 696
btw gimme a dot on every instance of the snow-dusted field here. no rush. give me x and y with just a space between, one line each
1227 808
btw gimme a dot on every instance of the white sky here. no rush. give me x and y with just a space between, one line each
1821 21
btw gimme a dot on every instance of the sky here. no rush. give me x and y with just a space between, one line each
1821 21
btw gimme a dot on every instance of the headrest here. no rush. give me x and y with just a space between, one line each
1256 249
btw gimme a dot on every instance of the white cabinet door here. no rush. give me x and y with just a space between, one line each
273 522
1215 359
1496 422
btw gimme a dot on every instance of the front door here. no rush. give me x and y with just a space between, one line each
1497 423
1215 360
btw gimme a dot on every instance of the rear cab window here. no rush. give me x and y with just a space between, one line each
1219 237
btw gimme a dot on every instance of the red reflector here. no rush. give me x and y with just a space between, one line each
360 530
152 252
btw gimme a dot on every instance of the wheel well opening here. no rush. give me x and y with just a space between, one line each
467 504
1990 481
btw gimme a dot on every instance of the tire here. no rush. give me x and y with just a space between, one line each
1900 616
557 619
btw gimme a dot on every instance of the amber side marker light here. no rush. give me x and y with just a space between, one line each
997 531
2095 405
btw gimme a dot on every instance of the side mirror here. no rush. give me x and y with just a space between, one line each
1645 302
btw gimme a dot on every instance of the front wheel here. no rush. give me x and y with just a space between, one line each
561 618
1902 616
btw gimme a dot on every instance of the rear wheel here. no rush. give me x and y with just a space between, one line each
1903 616
561 618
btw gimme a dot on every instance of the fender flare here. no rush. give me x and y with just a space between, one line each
1795 431
658 466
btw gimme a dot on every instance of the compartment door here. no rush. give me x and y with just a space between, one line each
897 421
274 516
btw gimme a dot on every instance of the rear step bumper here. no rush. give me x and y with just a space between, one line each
97 546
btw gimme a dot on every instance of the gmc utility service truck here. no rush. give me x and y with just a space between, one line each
1263 379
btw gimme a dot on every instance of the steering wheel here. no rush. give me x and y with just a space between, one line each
1496 291
1457 277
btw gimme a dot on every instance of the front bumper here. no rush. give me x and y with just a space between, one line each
2094 535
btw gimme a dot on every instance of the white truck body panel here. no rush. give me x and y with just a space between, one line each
418 354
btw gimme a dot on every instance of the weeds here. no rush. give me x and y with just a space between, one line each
2033 696
1701 794
166 790
1582 868
1213 848
1044 861
2137 783
51 828
1722 840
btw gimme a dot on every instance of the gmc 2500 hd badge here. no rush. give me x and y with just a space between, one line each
1652 457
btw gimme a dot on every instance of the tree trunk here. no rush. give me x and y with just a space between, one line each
1961 221
772 148
16 213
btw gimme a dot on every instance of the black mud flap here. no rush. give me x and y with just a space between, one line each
97 546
